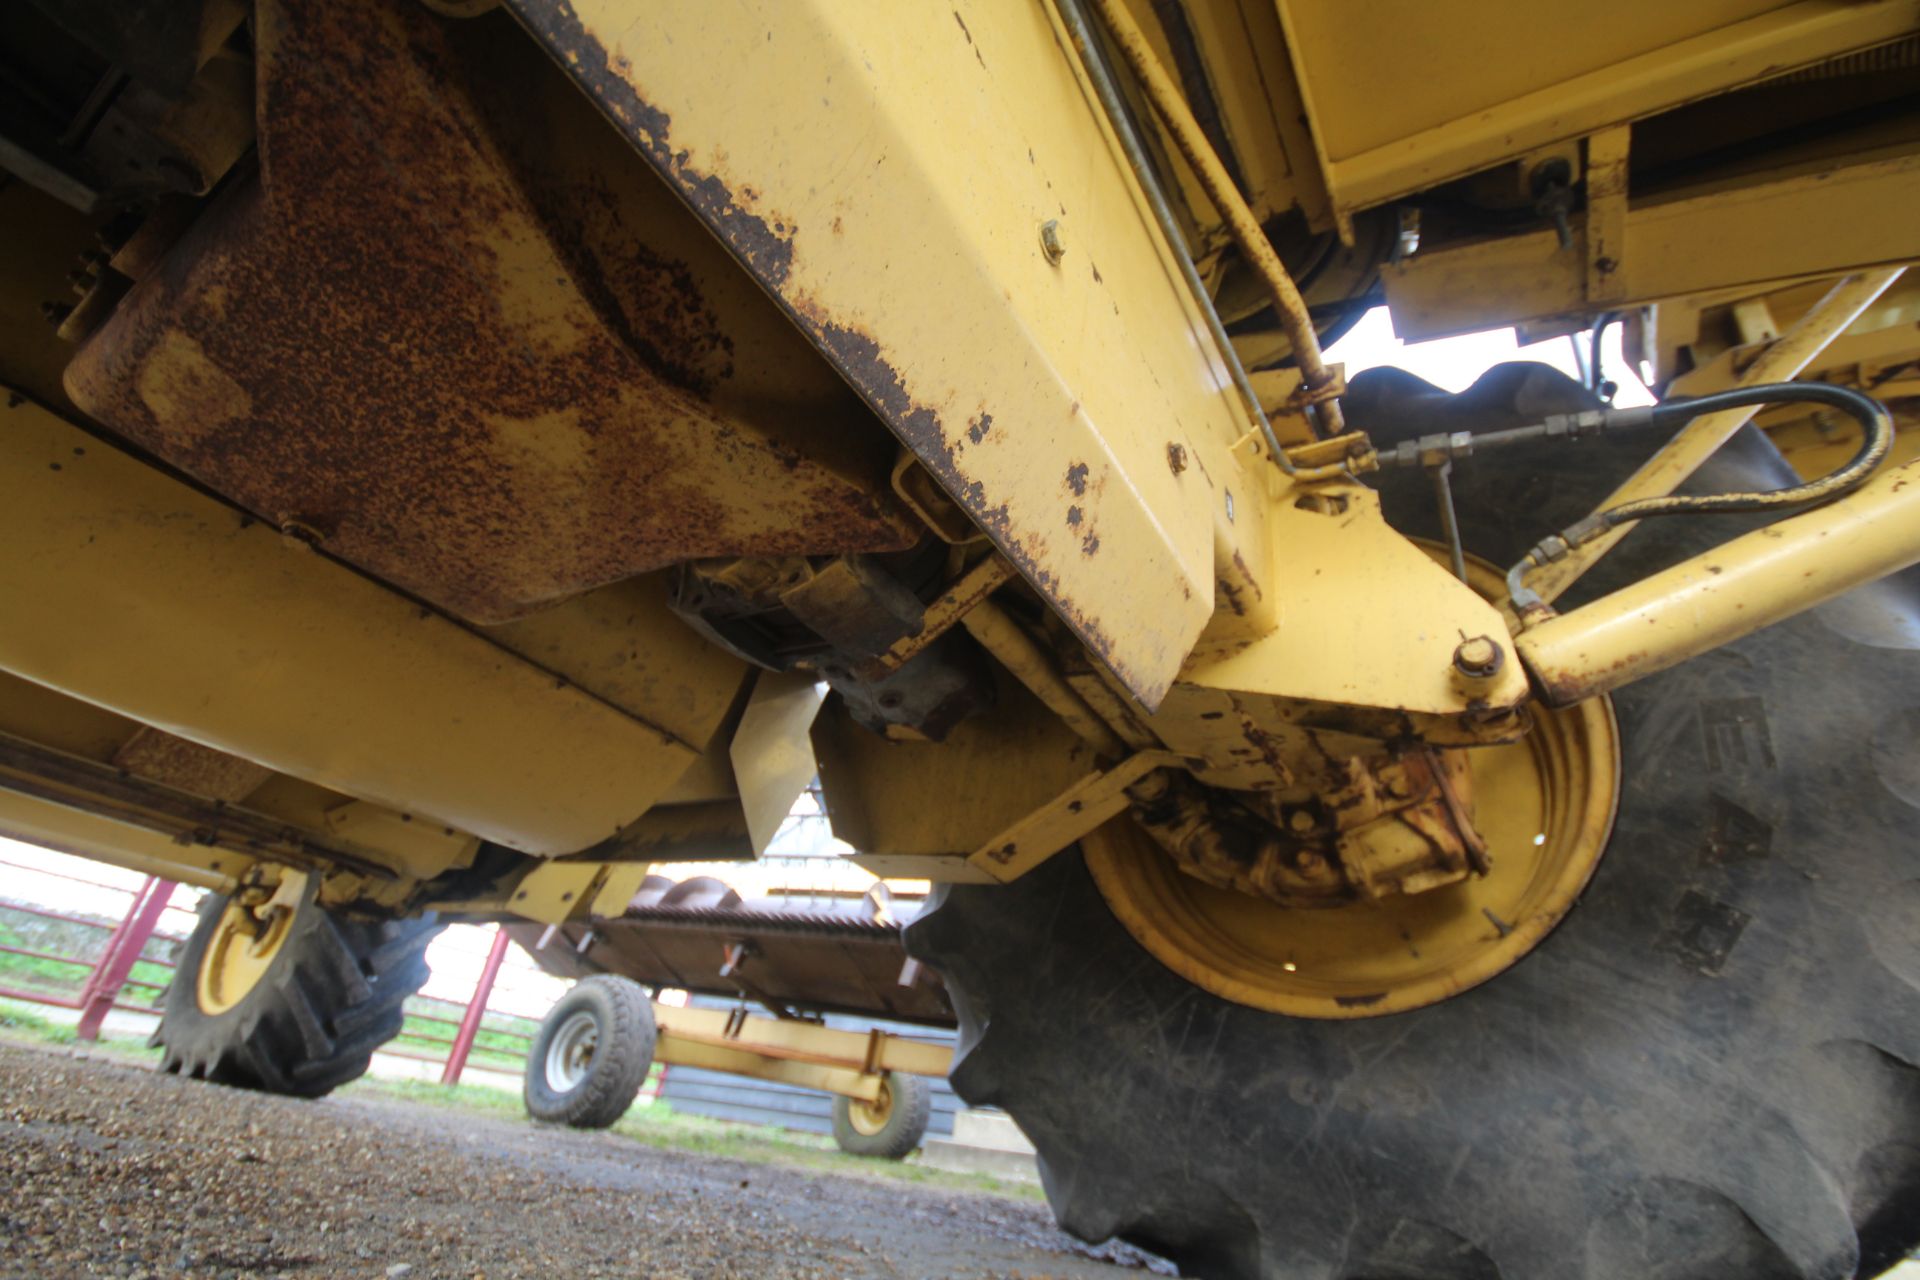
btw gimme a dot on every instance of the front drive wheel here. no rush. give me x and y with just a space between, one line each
591 1055
1707 1070
891 1126
294 1000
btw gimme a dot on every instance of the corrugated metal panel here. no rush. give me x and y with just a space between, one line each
747 1101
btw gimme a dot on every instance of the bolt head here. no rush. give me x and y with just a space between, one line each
1050 242
1479 658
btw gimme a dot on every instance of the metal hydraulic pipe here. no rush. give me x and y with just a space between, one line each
1245 228
1731 591
1095 63
1681 456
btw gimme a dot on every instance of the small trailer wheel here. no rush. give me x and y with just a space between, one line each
889 1127
592 1054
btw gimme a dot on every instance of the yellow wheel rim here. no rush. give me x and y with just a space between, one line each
240 952
1546 807
869 1118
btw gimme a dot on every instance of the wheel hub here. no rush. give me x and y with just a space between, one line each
244 944
1545 807
570 1054
869 1118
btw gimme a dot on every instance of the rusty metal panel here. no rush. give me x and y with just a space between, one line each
808 960
188 766
888 172
458 334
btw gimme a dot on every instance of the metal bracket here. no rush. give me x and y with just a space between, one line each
1068 816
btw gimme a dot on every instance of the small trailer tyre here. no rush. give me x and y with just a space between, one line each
890 1128
591 1055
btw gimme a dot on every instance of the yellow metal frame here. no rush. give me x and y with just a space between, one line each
87 835
1679 457
271 652
806 1054
1745 238
1484 84
1731 591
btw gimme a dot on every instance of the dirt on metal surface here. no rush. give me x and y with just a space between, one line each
114 1170
469 342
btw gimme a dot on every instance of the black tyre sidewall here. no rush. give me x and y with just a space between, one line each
1706 1070
184 1021
329 998
623 1052
906 1125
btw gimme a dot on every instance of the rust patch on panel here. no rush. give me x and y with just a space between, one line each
469 343
765 245
188 766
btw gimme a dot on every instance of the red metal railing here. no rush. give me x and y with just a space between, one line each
108 973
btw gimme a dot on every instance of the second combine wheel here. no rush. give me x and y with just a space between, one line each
275 991
1722 1029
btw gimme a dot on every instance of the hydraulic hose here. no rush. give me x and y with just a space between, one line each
1875 422
1191 140
1876 426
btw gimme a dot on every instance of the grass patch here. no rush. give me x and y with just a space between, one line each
662 1128
32 973
24 1023
29 1023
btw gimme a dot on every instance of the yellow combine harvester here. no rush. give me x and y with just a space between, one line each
466 452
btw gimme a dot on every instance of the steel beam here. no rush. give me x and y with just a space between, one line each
1731 591
802 1053
1839 219
1681 456
271 652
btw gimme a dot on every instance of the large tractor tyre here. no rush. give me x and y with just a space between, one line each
592 1053
294 1004
889 1128
1706 1071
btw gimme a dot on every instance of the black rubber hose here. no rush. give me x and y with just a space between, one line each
1875 422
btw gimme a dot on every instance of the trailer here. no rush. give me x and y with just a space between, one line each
594 1048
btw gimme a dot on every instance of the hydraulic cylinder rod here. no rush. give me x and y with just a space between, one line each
1731 591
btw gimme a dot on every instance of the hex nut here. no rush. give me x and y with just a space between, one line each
1479 658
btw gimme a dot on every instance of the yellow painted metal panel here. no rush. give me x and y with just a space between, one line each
772 751
1749 237
1369 620
624 645
1404 96
86 835
886 170
278 655
1447 59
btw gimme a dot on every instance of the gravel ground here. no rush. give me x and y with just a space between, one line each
114 1170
